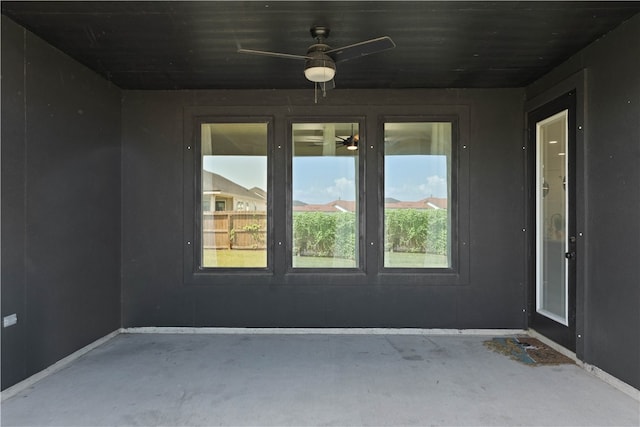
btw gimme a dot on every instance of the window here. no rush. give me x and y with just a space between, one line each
339 199
324 198
234 183
417 194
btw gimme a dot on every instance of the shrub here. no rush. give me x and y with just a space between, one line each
334 234
324 234
416 231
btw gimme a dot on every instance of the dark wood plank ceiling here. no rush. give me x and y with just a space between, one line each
192 45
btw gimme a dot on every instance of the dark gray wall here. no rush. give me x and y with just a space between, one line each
611 200
62 216
60 204
155 293
13 201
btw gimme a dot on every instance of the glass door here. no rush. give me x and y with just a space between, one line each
551 218
552 137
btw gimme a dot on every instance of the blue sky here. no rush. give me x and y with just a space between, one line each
318 180
414 177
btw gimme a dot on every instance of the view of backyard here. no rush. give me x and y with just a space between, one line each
325 209
244 258
413 239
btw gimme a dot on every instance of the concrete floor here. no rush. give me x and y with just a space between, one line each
284 380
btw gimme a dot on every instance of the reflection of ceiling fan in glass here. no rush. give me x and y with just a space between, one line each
317 138
351 141
321 59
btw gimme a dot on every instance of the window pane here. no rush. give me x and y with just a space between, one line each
325 189
417 188
234 196
552 213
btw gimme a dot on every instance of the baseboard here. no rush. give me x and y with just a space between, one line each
28 382
323 331
611 380
602 375
599 373
554 345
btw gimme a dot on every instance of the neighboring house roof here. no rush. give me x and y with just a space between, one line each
214 182
428 203
259 191
350 206
335 206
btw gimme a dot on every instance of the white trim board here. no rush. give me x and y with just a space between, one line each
28 382
323 331
604 376
60 364
599 373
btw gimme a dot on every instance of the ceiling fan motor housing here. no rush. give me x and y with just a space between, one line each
319 67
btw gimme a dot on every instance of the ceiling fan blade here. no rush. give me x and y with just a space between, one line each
361 49
273 54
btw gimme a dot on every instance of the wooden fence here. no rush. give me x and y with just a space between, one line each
234 230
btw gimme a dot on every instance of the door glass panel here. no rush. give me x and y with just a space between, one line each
234 196
551 218
325 195
417 190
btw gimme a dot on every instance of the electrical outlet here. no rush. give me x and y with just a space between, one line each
9 320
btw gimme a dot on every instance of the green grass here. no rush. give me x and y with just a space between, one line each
410 260
235 258
239 258
322 262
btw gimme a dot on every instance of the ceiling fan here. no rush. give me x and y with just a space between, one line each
321 59
350 142
316 137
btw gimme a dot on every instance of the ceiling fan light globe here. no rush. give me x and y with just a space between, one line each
319 74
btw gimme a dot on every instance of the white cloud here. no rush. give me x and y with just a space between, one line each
343 188
435 186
